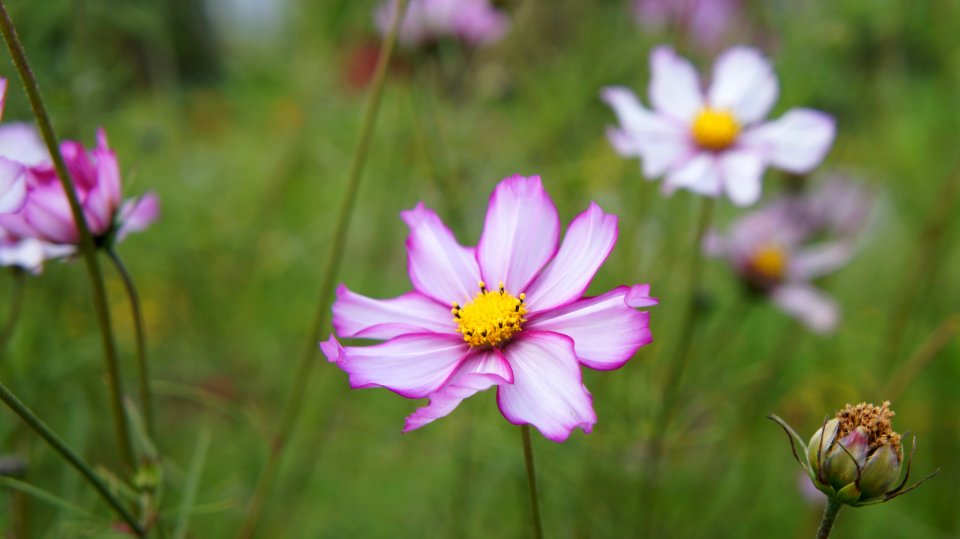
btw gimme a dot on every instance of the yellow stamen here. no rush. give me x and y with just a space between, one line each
715 129
770 262
491 318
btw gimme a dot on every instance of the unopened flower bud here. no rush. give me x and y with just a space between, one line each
856 457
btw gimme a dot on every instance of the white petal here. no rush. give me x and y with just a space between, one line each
742 174
810 306
700 174
816 261
356 316
796 142
661 141
674 85
744 83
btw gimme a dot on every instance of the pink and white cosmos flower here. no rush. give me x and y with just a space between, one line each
475 22
777 251
518 319
46 214
715 142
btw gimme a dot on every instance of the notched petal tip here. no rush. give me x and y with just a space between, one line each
639 296
332 349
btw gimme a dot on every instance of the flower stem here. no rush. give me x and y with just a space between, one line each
71 456
304 368
16 305
829 517
136 311
87 245
532 482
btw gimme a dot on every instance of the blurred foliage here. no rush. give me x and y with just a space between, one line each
249 145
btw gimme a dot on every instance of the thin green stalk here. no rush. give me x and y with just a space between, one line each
16 305
532 482
829 517
136 312
87 246
71 456
305 366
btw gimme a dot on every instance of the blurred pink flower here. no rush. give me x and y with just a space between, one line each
29 253
714 142
46 215
476 22
775 252
519 321
707 22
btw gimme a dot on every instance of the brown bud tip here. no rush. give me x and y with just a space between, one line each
875 420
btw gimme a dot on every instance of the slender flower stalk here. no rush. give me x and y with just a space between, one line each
136 311
305 367
70 456
87 245
830 513
532 482
16 305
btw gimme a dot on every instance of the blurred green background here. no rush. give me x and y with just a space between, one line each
245 123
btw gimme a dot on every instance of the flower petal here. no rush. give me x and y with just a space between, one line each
588 242
662 142
136 214
21 142
606 330
481 370
547 391
356 316
796 142
809 305
701 174
13 186
674 85
744 83
742 175
519 235
439 267
817 261
412 365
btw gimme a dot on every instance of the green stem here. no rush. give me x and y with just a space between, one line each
16 305
87 246
532 482
305 366
44 431
829 517
136 311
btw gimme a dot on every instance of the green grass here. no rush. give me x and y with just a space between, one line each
251 171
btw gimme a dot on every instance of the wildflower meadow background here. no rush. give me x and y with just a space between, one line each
242 120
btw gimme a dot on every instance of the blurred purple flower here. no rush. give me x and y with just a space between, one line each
475 22
13 183
714 142
707 22
527 334
777 251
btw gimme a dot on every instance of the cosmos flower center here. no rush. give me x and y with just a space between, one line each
769 262
491 318
715 129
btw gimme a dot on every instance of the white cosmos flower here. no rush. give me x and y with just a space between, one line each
715 142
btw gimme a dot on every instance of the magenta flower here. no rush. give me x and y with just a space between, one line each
713 142
518 319
707 22
46 215
475 22
776 250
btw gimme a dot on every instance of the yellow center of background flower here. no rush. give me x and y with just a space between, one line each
492 317
715 129
769 261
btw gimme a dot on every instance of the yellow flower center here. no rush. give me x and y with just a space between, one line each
770 262
491 318
715 129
